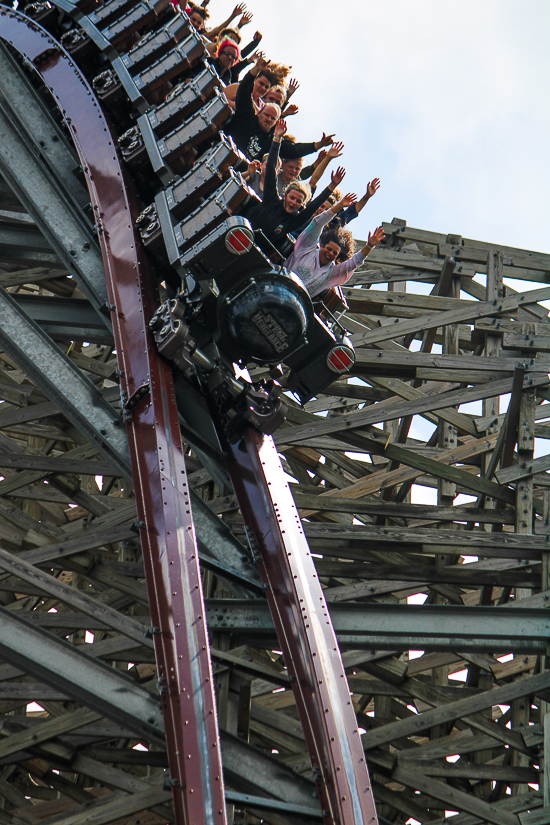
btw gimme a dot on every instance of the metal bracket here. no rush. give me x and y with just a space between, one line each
129 404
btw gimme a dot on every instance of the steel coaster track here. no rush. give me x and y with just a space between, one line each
169 544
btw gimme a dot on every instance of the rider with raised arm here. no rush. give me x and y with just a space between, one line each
314 263
277 216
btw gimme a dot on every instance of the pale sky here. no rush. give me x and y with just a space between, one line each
445 100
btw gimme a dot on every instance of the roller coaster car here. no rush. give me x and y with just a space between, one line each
252 311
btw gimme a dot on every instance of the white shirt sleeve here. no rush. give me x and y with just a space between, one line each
340 273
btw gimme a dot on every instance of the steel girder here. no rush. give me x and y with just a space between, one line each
51 370
78 675
394 626
304 629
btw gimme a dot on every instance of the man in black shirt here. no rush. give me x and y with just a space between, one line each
253 133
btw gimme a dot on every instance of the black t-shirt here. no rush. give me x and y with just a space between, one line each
270 215
247 133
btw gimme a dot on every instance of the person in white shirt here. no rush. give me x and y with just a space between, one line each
314 253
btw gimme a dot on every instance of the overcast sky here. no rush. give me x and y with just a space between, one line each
445 100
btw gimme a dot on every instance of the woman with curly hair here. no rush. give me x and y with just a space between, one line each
316 251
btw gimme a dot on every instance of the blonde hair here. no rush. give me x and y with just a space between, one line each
300 186
280 71
281 89
335 196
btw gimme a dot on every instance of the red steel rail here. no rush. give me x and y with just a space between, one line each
304 630
168 541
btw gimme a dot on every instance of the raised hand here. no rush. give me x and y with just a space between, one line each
257 36
348 199
320 157
373 187
326 140
246 18
293 86
280 128
337 177
336 150
239 9
261 62
291 110
254 166
376 236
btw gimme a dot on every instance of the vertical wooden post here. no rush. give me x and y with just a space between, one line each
546 779
524 526
447 432
491 406
545 572
545 706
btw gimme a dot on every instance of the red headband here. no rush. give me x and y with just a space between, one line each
224 45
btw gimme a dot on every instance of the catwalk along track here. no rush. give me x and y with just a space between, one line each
183 279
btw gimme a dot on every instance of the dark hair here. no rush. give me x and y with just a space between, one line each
231 34
347 246
198 10
341 237
268 76
330 235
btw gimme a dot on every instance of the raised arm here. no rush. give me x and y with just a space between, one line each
340 273
261 63
372 189
270 180
243 98
213 33
334 151
291 150
305 214
374 240
253 167
251 46
245 20
231 93
344 202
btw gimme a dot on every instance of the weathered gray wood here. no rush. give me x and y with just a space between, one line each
498 773
47 730
453 797
376 413
441 319
111 807
313 501
514 804
524 470
57 464
546 774
539 817
80 601
455 710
